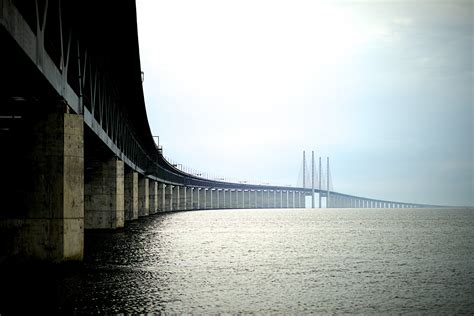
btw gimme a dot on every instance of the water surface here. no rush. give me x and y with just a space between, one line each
284 260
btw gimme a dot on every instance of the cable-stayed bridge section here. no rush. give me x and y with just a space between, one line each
77 150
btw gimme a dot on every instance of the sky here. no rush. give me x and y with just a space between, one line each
384 89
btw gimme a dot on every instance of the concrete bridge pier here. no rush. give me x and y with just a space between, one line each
266 199
227 194
279 199
161 197
285 199
303 200
208 198
214 199
258 198
222 197
229 198
246 194
211 198
189 198
197 198
131 194
42 189
143 196
233 199
182 198
252 199
291 199
263 199
240 199
104 186
153 190
298 203
104 200
168 197
202 199
176 198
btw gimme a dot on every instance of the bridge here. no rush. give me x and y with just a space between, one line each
77 150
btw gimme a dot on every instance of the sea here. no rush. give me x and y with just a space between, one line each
262 261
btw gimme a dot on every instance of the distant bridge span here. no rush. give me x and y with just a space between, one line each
78 150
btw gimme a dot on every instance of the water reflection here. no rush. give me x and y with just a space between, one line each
288 261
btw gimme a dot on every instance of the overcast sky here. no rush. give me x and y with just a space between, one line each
384 88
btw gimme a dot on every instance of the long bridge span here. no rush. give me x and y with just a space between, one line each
77 150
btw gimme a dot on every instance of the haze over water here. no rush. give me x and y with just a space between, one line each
286 260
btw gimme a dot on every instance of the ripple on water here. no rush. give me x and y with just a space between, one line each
285 261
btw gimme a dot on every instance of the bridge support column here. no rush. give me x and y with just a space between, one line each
291 199
285 199
214 199
233 199
226 195
246 194
176 198
207 198
161 197
266 199
197 198
259 199
131 194
182 198
153 196
168 197
42 190
190 198
239 203
143 196
252 199
104 203
201 199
